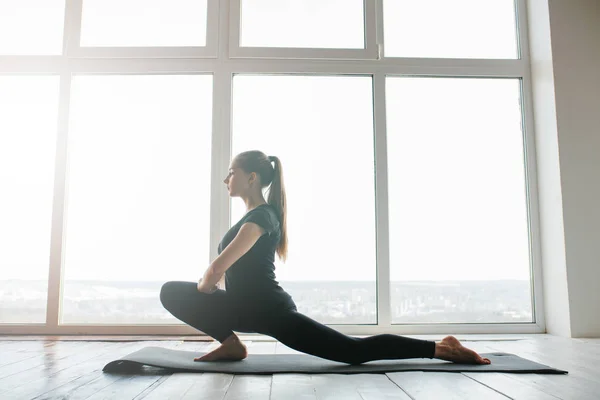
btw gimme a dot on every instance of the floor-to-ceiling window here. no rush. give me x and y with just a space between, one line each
403 128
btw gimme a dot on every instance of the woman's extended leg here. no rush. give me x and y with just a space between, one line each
304 334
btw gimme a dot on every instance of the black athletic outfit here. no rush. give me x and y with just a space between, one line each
253 302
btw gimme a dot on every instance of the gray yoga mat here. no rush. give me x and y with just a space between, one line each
257 364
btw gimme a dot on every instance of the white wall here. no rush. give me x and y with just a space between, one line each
565 50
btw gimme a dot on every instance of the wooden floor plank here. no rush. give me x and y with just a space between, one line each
202 386
335 387
355 386
130 386
15 356
82 387
175 386
79 388
595 341
377 386
561 386
210 386
446 385
249 387
23 346
293 386
508 386
45 359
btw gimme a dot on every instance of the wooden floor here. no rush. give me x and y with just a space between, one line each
46 368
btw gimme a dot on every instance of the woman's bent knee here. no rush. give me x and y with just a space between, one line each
178 293
167 291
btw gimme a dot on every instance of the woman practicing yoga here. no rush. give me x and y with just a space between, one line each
253 301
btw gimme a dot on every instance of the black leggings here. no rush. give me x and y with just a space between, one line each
216 315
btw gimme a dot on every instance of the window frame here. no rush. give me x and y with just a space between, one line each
223 60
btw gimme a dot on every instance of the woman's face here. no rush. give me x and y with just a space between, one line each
232 179
236 180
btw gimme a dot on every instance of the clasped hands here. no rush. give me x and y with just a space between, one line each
203 289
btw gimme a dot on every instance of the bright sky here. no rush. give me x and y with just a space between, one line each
138 210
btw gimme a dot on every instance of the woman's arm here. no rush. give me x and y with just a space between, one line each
246 237
208 283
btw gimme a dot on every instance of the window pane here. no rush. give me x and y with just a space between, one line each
139 23
28 125
138 194
29 27
450 29
302 24
458 210
321 127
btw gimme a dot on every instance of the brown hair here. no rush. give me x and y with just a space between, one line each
259 162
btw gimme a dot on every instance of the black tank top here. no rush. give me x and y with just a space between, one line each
251 279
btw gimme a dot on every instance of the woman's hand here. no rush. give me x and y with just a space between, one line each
203 289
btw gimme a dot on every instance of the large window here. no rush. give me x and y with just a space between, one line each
401 127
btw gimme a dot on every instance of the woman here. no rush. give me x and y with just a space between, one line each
255 303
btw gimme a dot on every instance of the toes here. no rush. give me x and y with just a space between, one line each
482 360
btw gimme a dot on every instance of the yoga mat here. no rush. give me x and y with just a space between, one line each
258 364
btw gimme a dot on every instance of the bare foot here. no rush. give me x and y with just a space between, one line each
450 349
232 349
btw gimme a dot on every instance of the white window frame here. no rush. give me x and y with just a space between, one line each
228 60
